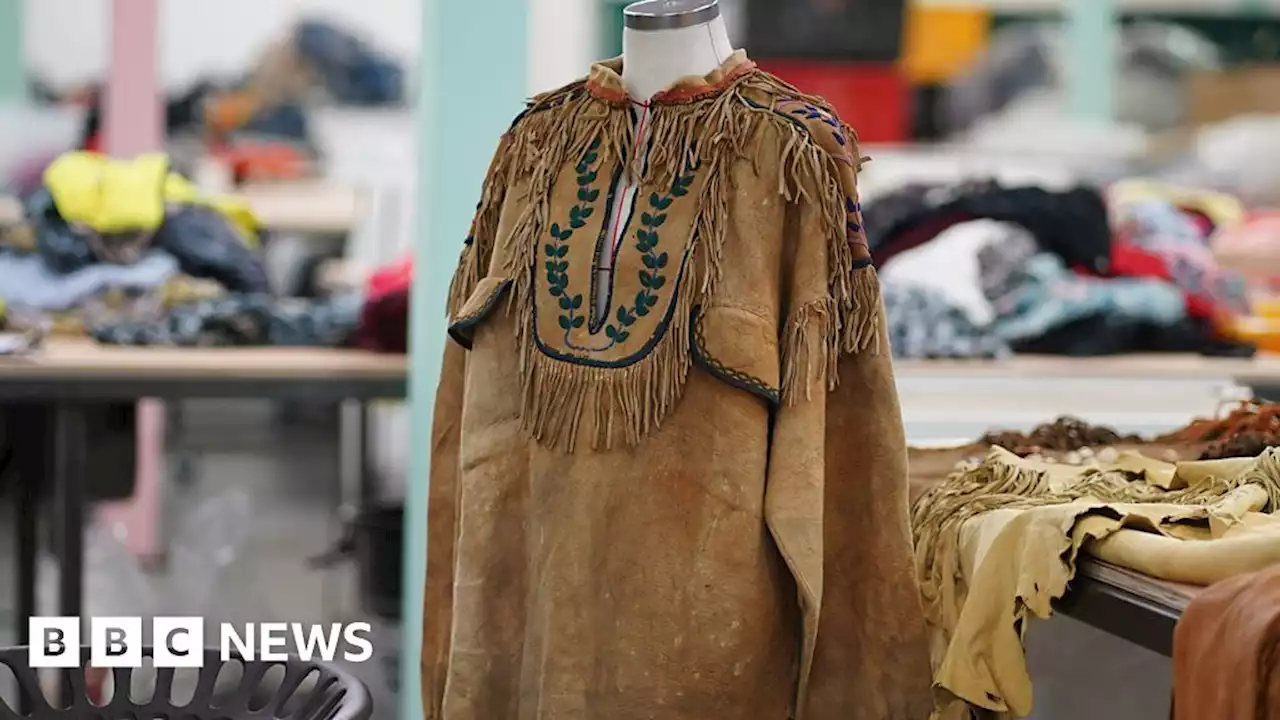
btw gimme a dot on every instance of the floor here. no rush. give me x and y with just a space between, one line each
287 478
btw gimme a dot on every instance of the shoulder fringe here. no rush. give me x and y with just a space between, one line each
816 334
510 155
473 264
565 404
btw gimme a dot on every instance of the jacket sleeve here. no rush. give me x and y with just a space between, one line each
443 494
836 500
442 525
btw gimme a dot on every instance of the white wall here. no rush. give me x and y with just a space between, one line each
66 40
562 41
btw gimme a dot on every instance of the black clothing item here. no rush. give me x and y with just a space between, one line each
1105 335
204 243
1072 224
798 29
207 246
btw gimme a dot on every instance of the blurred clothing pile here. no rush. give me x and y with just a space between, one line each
319 61
130 253
1027 62
257 124
1077 272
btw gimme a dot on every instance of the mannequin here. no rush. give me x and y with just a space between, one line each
665 40
662 42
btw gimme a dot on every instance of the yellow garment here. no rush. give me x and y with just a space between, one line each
999 540
1222 209
115 196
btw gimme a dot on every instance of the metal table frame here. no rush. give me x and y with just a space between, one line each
1141 610
68 395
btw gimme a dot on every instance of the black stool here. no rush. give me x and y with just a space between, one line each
335 695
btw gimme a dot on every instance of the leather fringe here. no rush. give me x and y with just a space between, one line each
565 402
847 321
476 255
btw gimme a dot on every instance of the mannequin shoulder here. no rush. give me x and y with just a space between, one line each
796 116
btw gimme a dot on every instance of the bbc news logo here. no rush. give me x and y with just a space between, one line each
178 642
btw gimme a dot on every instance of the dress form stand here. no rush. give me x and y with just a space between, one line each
662 42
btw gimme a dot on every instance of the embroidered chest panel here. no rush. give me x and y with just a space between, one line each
653 238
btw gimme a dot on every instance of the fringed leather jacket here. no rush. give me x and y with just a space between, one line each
691 506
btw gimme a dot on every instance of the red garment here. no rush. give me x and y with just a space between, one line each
1129 260
396 277
384 320
384 323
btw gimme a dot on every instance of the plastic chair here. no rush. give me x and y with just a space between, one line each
335 695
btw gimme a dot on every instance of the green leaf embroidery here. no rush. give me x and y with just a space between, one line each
647 240
556 252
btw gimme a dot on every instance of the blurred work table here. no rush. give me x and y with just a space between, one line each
70 375
72 369
76 360
1263 369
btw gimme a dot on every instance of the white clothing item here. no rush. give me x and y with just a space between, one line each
949 265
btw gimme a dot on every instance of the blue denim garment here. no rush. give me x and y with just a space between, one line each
244 320
923 325
1034 292
27 281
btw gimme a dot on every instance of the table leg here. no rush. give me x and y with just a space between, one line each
27 508
368 479
69 470
28 442
358 482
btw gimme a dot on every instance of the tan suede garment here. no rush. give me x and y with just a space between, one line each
1226 651
997 543
694 505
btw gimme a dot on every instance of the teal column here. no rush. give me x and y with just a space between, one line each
462 112
13 76
1091 58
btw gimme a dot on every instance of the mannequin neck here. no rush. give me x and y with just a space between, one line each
653 60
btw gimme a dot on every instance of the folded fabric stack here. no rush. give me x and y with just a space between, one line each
998 542
1074 272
